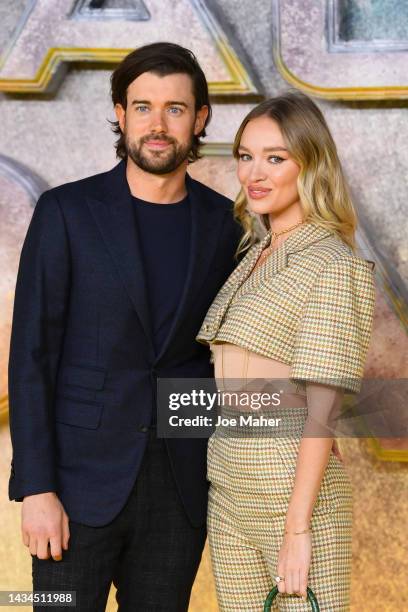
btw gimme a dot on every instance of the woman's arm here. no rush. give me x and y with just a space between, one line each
324 403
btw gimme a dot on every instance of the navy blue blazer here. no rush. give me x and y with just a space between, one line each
82 370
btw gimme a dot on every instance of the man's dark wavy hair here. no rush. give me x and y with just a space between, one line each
162 58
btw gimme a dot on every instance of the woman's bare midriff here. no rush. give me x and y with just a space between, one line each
238 370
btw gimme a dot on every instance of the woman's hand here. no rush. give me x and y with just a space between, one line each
294 563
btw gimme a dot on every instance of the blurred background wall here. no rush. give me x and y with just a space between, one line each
351 56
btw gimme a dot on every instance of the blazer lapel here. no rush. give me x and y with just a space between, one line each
279 258
113 214
236 280
246 266
206 222
277 261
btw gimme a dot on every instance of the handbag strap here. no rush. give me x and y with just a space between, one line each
274 592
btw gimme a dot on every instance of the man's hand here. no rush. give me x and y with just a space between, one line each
43 521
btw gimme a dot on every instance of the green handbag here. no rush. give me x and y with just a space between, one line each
273 593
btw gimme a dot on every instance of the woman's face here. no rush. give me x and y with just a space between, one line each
266 171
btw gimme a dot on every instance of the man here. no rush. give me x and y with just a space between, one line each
116 275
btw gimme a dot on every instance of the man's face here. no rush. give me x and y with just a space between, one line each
160 121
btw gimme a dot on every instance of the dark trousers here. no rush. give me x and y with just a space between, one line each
150 551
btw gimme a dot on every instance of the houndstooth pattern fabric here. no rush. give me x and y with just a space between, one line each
251 483
309 305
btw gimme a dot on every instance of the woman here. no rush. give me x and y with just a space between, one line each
299 307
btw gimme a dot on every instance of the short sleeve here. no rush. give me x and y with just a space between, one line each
335 327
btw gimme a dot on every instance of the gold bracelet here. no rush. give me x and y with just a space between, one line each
298 532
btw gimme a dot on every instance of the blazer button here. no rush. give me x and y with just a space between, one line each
206 327
143 428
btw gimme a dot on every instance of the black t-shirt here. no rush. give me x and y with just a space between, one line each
164 232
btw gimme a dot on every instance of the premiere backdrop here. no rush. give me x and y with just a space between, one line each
351 56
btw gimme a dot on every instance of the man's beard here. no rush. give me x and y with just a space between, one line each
159 162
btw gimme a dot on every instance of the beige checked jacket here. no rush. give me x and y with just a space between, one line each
310 305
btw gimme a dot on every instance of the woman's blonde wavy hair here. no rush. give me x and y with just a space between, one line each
322 188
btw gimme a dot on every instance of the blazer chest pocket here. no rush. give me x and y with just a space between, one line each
78 413
81 382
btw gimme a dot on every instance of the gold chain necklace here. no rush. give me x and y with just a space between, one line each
275 235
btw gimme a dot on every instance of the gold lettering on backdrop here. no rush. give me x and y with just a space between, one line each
37 57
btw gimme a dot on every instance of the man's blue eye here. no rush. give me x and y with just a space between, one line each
142 109
174 110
